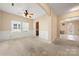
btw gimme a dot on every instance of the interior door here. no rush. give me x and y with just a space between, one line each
37 28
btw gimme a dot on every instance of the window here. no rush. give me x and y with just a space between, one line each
19 26
25 26
15 26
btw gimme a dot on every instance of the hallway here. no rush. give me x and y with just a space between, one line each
32 46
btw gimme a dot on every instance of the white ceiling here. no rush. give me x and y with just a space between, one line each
19 8
62 8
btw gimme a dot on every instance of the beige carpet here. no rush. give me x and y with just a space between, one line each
32 46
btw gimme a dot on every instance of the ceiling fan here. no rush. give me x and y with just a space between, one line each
28 14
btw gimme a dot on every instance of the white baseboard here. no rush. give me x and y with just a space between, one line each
20 34
70 37
5 35
43 34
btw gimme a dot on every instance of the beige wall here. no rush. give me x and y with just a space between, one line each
54 26
43 26
71 29
53 22
75 24
5 26
7 18
43 22
0 19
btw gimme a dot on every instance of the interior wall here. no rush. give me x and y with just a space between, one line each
71 31
5 26
70 28
75 23
7 18
54 26
53 22
0 19
43 26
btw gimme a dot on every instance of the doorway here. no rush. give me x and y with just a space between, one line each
37 28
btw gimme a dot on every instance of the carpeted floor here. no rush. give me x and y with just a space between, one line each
32 46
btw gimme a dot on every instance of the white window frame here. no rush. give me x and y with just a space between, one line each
24 26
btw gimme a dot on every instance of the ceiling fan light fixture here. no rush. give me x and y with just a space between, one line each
12 4
28 15
26 12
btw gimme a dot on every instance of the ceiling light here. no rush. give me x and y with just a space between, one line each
12 4
74 9
28 16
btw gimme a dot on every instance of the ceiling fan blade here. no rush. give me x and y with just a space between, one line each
26 12
30 13
30 16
